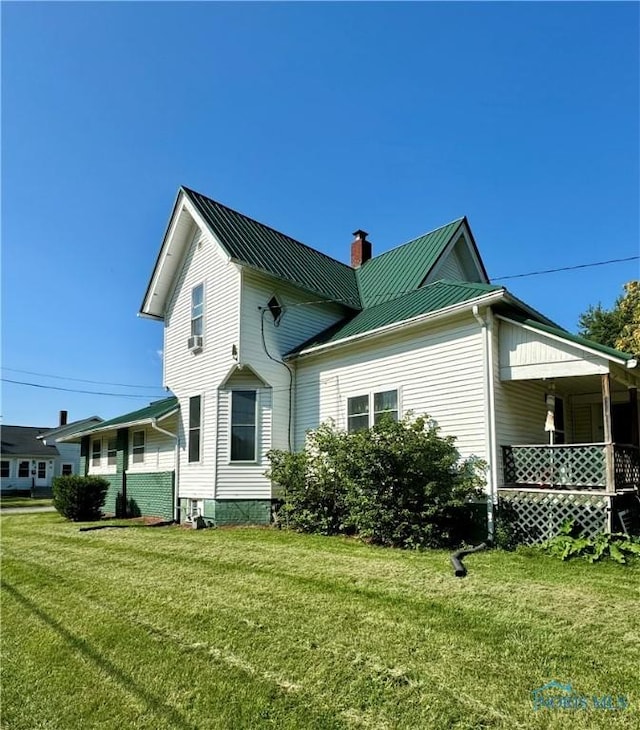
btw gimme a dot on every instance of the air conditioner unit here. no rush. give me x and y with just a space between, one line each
194 343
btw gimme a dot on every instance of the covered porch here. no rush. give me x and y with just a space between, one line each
580 455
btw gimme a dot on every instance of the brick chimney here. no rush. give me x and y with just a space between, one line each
63 418
360 249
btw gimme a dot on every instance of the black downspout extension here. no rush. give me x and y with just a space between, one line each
456 558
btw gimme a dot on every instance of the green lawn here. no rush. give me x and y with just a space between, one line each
251 628
24 502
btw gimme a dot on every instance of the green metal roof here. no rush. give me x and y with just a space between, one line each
570 337
158 409
249 242
404 268
431 298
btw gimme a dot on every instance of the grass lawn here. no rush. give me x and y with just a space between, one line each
24 502
250 628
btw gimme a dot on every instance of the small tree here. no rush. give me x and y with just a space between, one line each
79 498
618 327
397 484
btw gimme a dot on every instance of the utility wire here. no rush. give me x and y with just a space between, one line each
81 380
73 390
565 268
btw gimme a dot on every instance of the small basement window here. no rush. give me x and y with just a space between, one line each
275 308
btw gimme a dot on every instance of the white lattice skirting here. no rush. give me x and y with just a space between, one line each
540 515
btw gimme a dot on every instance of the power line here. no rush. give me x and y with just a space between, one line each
565 268
73 390
81 380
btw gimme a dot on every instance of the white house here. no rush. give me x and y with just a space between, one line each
265 337
32 456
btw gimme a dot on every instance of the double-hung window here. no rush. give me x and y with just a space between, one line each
112 452
243 425
363 411
23 469
194 428
138 447
197 310
96 452
5 469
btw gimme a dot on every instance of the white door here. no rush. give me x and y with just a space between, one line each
41 474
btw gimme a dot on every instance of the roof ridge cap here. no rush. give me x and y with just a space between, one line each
271 228
411 240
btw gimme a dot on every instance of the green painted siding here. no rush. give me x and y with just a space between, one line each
84 456
114 494
151 495
240 511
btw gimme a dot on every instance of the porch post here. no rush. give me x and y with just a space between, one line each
608 432
635 417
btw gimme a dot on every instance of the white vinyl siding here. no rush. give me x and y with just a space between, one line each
159 449
452 268
526 354
302 317
242 480
438 368
188 374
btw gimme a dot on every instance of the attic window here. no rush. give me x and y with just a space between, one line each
275 308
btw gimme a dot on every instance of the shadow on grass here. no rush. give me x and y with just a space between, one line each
155 704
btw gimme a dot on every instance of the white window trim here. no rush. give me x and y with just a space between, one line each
371 393
62 466
200 460
93 461
22 461
115 463
256 459
10 463
144 446
202 317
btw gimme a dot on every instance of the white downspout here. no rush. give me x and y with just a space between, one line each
489 413
155 427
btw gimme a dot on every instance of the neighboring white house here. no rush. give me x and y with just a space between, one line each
32 456
265 337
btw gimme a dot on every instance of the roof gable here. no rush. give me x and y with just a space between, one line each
405 268
254 244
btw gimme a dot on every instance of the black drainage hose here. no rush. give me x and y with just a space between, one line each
456 558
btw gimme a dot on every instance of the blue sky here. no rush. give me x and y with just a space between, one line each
316 119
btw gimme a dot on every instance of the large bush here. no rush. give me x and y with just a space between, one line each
398 484
80 498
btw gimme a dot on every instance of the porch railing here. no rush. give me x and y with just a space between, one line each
576 466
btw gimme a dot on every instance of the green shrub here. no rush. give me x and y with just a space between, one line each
507 532
399 484
78 498
567 544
